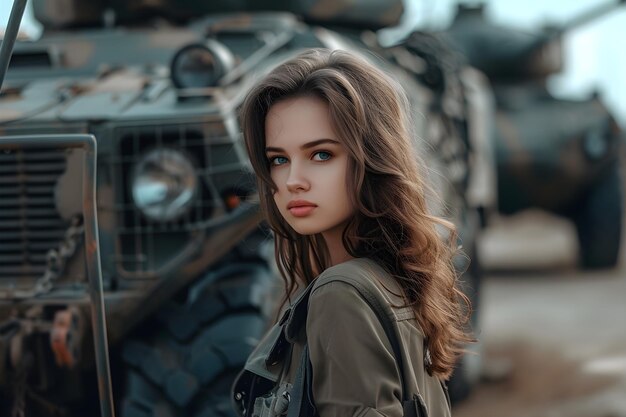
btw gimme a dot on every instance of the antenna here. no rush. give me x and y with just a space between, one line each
592 14
13 27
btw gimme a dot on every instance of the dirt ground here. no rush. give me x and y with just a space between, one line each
554 338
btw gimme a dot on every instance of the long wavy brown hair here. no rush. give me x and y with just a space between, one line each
392 224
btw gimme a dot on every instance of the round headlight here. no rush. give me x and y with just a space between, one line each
201 65
164 184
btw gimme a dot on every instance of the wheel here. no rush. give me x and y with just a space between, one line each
599 222
468 369
186 363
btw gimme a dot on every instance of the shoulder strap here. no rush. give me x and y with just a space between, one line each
300 404
383 315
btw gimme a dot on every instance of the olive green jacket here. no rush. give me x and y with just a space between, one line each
354 369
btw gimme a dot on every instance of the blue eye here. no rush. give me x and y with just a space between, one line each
278 160
322 156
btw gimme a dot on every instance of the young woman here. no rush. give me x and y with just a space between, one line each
342 188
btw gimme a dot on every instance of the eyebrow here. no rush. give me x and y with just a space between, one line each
307 145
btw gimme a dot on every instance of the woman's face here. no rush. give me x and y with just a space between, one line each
309 167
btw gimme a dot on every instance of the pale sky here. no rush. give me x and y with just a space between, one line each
594 57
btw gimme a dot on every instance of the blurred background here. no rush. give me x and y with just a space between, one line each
552 290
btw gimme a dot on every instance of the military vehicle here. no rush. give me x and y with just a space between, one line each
553 154
186 262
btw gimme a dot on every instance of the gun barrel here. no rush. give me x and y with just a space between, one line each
13 27
591 15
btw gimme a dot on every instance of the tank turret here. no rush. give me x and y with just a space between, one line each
507 54
558 155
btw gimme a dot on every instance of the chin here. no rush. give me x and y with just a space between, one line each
304 229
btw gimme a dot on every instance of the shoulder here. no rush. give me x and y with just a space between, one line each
355 285
342 287
364 270
338 298
359 273
337 288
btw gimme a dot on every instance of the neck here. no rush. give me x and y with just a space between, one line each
336 249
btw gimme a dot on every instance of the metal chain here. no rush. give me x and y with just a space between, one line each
56 259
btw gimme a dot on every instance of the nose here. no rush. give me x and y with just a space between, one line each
297 180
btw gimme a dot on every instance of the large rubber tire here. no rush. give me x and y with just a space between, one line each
599 220
186 363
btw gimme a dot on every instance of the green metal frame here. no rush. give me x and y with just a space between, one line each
92 253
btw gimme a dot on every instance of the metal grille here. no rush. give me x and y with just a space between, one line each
29 222
143 245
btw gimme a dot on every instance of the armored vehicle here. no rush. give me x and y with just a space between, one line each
553 154
186 262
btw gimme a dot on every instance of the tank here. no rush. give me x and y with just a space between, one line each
187 273
553 154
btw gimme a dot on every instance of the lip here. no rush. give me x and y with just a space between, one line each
300 203
300 208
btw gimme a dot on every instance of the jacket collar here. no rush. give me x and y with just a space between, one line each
295 316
